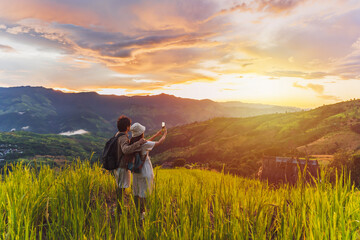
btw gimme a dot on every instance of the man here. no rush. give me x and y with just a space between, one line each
125 154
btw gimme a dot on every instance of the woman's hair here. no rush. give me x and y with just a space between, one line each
135 139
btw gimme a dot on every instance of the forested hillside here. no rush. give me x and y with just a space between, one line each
240 143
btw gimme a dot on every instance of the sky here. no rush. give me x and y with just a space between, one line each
302 53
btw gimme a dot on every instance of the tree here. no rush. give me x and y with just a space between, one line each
355 168
341 159
180 162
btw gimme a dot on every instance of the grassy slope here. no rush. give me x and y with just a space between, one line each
78 203
240 143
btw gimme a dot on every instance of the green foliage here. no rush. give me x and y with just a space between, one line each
347 160
78 202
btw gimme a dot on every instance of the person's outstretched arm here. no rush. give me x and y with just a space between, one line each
162 139
156 134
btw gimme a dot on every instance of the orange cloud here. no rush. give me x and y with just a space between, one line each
278 6
271 6
47 11
315 87
330 97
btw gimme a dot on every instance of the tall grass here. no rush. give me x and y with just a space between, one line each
78 202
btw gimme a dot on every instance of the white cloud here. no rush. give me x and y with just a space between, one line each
71 133
18 29
356 44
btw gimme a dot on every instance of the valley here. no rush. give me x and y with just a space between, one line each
233 144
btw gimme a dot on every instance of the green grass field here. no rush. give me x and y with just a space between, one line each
78 202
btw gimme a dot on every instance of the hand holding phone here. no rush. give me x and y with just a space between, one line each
163 125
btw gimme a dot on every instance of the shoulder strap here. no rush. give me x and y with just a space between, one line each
119 152
119 135
143 159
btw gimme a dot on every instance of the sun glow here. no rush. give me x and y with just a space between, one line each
66 90
234 87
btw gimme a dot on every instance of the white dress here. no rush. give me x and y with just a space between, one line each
143 182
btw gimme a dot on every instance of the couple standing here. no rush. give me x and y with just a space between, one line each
143 181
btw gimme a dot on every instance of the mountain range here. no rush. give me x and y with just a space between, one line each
235 144
43 110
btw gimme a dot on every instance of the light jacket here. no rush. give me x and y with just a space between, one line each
125 150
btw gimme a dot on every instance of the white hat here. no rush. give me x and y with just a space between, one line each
137 129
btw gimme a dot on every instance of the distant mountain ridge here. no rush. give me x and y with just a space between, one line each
44 110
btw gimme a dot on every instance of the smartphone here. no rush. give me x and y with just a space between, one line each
163 125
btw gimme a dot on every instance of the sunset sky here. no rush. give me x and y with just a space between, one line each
286 52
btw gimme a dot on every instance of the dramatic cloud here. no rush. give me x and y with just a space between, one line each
151 46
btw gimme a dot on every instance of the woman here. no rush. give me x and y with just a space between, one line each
143 181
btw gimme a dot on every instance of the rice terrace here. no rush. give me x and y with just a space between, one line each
78 203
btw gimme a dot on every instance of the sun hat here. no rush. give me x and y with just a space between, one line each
137 129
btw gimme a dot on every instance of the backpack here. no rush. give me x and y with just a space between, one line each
109 157
137 164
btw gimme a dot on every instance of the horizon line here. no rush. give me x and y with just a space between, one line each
66 91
